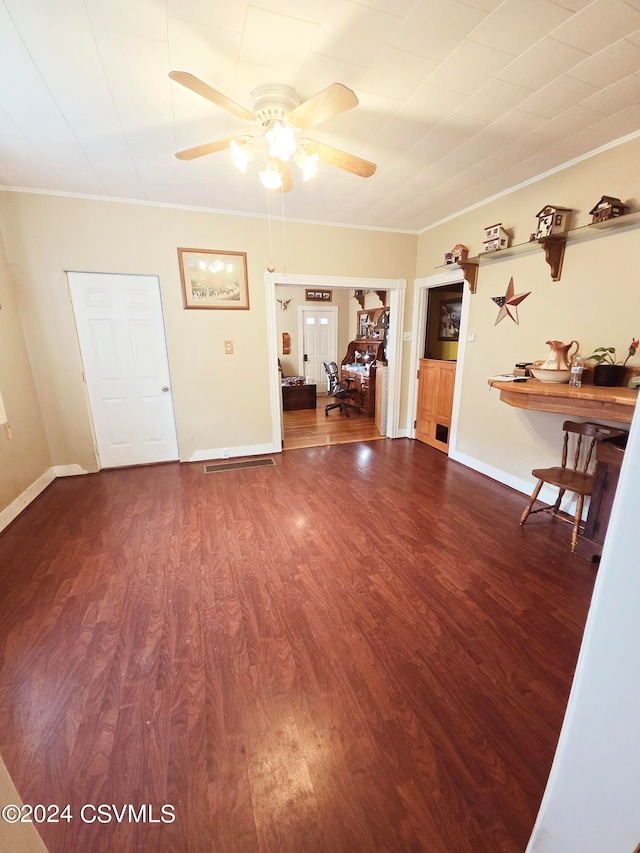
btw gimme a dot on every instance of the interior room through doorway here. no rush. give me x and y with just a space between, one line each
305 426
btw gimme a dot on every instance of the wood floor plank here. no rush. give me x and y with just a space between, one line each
357 649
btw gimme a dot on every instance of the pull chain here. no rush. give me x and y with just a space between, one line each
284 254
270 266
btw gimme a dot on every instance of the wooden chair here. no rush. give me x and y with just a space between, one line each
576 472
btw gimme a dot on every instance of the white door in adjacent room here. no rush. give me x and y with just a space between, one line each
124 353
319 342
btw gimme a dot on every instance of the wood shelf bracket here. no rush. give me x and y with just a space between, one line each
554 255
470 271
360 296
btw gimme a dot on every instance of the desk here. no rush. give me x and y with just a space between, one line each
610 455
295 397
359 365
589 401
364 385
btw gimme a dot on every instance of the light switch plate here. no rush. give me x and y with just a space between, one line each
228 347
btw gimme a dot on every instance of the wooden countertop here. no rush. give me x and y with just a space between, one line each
610 404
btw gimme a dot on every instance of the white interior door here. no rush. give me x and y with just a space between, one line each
124 353
319 342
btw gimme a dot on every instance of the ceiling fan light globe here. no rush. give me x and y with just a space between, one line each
242 152
238 155
270 179
308 163
282 141
310 168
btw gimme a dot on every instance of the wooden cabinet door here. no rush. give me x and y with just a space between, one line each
435 402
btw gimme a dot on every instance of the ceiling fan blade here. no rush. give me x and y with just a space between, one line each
341 159
287 181
200 88
207 148
329 102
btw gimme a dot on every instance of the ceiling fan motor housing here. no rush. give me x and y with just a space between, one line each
273 102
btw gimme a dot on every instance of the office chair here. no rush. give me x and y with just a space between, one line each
576 472
342 392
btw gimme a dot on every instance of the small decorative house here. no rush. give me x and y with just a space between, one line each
607 208
552 220
459 253
495 238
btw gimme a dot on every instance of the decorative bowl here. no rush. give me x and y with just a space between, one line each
546 375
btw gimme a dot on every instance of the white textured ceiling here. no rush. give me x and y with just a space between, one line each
458 100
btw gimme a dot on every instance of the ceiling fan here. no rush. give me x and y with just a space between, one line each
279 116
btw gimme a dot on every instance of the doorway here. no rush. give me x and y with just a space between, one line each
395 288
120 330
422 287
323 333
436 378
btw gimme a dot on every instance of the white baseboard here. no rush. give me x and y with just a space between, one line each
14 509
232 452
22 501
504 477
548 494
68 470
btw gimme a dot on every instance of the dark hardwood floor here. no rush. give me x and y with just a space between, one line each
357 649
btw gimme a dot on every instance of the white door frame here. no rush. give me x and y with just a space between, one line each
418 333
397 290
309 309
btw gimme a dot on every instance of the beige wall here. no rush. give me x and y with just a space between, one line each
220 401
597 302
25 456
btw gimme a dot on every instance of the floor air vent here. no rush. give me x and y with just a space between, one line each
217 467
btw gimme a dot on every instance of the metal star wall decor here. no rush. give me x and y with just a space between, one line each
509 303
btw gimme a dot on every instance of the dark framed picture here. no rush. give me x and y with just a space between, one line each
363 324
212 279
449 320
318 295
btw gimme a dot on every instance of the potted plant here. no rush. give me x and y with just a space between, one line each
608 371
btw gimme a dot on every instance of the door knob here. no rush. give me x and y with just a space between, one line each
165 388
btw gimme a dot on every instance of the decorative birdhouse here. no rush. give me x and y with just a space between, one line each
552 220
459 253
607 208
495 238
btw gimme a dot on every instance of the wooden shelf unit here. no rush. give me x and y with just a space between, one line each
553 247
589 401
